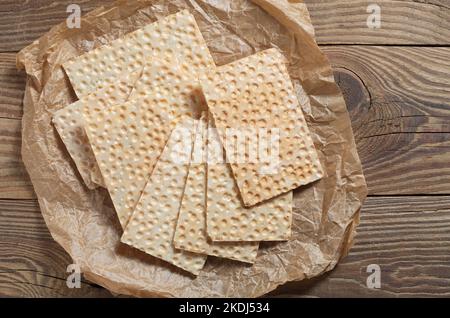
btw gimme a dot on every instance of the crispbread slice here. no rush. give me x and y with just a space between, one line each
70 125
152 226
190 234
257 93
176 36
227 218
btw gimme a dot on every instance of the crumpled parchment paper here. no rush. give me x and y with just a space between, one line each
326 213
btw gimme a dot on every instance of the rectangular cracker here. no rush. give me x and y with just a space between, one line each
176 36
227 218
152 226
257 93
190 234
70 125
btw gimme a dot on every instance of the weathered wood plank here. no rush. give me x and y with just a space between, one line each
399 102
12 86
402 22
408 237
336 22
14 180
32 263
23 21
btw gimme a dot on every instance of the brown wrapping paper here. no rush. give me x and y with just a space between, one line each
326 213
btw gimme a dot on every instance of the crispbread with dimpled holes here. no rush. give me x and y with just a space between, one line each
227 218
190 234
257 93
70 125
152 225
176 34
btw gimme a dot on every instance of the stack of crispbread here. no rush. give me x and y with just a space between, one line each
198 159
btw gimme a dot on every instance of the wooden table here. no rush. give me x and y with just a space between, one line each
396 81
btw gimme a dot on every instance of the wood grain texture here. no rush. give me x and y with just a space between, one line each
14 180
402 22
23 21
408 237
32 264
399 102
12 87
336 22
